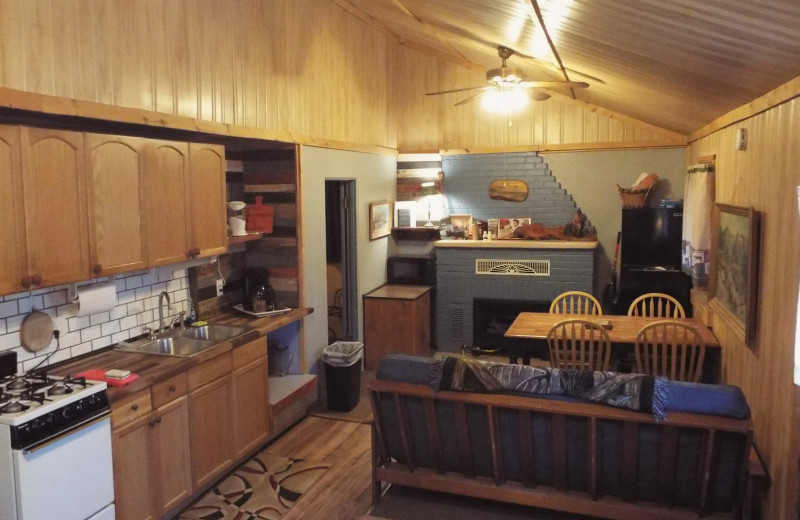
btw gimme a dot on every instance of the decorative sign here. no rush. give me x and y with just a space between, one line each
512 191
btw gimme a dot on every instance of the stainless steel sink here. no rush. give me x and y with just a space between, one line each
217 333
173 346
184 343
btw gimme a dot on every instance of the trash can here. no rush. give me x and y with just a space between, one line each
343 374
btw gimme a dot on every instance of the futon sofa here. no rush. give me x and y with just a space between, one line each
562 453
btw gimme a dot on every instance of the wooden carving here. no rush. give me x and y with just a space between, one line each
512 191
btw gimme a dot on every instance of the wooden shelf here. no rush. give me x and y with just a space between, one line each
245 238
427 234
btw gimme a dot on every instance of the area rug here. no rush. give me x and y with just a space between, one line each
264 488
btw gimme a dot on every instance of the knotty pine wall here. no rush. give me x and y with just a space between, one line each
306 71
301 67
765 176
431 123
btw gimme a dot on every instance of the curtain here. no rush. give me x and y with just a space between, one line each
698 202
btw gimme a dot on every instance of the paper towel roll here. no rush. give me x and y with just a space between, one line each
96 298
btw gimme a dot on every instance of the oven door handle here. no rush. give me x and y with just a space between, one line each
77 427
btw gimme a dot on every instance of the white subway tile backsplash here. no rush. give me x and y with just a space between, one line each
55 299
90 333
137 296
8 309
100 317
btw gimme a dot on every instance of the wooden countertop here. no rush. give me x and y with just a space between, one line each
517 243
399 292
153 368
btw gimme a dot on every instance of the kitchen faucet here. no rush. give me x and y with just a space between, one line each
164 294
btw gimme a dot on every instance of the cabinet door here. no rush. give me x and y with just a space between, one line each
13 261
210 430
209 234
166 169
171 449
134 470
117 231
54 187
250 407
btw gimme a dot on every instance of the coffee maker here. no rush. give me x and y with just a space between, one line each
255 280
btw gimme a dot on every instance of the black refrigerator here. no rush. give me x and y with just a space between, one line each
650 256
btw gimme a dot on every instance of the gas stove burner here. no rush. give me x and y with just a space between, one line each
18 384
59 388
13 407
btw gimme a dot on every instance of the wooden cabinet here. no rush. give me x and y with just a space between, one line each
397 318
54 194
166 193
210 419
206 187
13 257
250 405
116 188
151 456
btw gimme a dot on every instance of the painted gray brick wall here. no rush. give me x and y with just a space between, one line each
466 186
457 285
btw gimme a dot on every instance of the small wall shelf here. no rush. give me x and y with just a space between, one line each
416 233
244 238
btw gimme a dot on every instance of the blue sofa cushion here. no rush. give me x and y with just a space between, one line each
720 400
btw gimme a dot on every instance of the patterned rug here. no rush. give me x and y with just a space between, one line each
264 488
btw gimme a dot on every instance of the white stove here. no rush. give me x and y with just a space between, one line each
50 428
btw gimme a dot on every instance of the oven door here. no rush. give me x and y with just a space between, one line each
69 478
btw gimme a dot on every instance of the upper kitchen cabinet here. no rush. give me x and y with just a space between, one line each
116 183
54 196
209 235
167 167
13 262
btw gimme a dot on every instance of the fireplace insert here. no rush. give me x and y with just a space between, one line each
491 318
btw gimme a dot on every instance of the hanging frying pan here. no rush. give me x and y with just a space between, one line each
36 331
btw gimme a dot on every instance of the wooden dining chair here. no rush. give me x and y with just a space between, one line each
671 349
576 302
579 345
656 305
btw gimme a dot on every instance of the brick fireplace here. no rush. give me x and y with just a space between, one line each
522 273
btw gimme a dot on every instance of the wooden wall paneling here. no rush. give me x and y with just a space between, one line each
764 177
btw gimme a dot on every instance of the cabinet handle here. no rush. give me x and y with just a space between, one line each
190 253
97 269
36 279
171 388
196 251
158 421
151 423
134 407
27 281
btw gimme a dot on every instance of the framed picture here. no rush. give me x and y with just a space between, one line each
459 226
380 219
506 226
733 281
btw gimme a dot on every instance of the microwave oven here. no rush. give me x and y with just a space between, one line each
411 270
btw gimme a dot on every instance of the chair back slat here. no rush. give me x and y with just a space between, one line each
579 345
576 302
656 305
671 349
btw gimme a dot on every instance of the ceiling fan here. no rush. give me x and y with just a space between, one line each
505 79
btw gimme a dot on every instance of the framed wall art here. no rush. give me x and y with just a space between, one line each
380 219
733 281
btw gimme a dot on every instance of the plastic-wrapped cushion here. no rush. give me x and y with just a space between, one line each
721 400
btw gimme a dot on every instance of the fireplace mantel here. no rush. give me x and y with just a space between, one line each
517 243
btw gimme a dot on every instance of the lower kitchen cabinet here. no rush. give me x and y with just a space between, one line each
151 461
250 406
209 419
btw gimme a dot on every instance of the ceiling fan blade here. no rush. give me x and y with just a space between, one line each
456 90
471 98
554 84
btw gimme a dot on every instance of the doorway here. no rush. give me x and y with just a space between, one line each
340 227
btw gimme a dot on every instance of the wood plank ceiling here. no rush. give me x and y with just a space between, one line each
677 64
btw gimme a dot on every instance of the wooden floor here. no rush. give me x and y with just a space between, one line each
343 493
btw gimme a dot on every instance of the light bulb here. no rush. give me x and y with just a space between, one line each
505 101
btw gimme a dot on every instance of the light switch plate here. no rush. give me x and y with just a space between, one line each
220 285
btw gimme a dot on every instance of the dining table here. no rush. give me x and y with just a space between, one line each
622 331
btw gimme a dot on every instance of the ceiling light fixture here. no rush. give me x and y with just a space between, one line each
505 99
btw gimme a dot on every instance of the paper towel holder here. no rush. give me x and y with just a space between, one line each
72 288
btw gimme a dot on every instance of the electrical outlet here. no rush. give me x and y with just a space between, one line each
220 285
